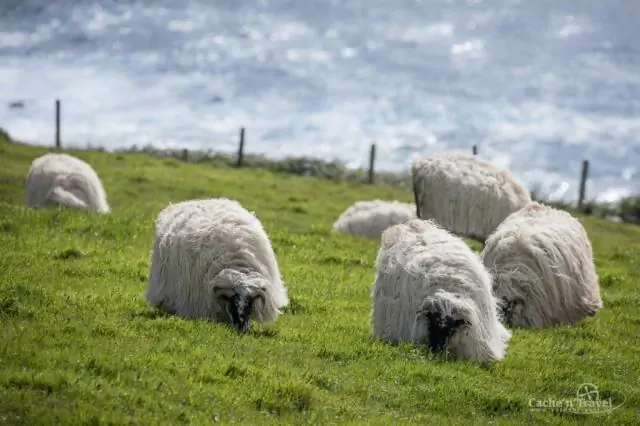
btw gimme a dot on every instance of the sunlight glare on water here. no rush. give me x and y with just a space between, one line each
538 86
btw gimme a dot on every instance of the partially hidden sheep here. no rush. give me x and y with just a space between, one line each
369 219
542 263
65 180
467 196
213 259
432 289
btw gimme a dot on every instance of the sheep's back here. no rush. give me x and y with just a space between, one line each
370 218
68 172
421 248
543 255
464 194
219 231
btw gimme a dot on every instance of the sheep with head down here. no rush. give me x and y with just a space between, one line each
213 259
467 196
542 263
369 219
61 179
432 289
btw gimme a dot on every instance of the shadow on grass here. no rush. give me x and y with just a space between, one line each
256 331
69 254
152 314
336 260
267 333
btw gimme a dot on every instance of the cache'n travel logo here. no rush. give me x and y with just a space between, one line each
588 400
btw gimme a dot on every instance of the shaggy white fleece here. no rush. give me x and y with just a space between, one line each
542 263
65 180
213 259
467 196
369 219
431 288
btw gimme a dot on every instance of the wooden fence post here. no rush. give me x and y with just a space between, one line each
241 149
583 183
416 198
58 144
475 150
372 161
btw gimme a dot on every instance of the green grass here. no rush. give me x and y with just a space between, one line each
79 344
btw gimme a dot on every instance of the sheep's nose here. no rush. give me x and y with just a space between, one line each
437 339
243 326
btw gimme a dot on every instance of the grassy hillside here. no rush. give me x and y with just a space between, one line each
79 345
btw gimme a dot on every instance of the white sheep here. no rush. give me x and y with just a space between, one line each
65 180
467 196
370 218
213 259
542 262
432 289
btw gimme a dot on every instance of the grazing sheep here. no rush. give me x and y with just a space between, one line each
432 289
370 218
464 194
542 263
213 259
65 180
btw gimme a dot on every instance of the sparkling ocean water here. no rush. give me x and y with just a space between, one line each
537 85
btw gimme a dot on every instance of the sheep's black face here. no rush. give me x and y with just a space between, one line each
511 310
240 308
441 328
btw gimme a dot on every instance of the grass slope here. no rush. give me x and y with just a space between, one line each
79 344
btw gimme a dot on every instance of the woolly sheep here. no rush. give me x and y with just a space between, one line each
432 289
542 263
213 259
464 194
65 180
369 218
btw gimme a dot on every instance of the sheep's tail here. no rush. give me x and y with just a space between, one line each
61 196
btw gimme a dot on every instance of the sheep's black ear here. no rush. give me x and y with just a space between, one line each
259 296
461 323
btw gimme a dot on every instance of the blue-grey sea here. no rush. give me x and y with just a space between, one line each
538 85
